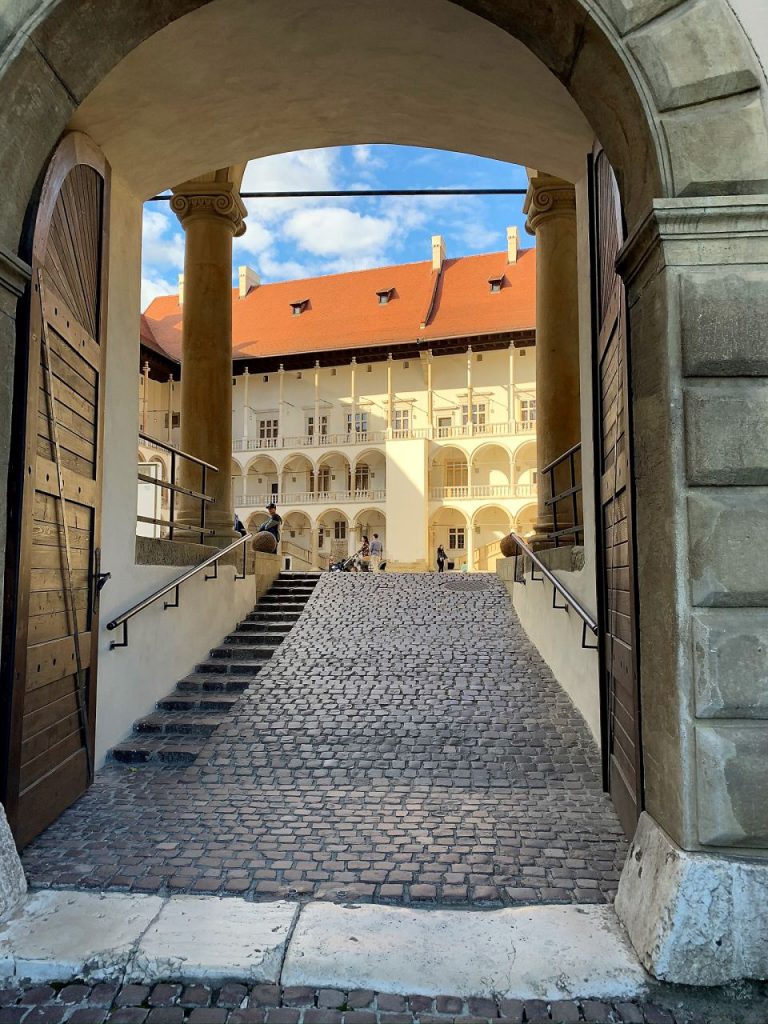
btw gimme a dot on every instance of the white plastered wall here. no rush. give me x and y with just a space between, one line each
164 645
557 634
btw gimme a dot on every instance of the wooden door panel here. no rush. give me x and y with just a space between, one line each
618 643
53 708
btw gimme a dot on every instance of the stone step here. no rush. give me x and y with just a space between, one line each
174 723
275 627
240 652
245 635
201 700
304 589
266 615
211 682
277 603
168 750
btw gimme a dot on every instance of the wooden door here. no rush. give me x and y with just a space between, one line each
615 536
52 710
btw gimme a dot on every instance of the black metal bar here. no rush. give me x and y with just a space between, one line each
170 604
561 458
203 480
365 192
172 500
124 641
215 575
177 526
174 487
174 585
562 590
175 451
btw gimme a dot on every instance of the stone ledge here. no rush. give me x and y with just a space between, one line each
693 918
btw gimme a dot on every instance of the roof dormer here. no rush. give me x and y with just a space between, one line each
384 295
495 284
299 307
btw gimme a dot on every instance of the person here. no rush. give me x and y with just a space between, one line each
365 555
441 558
273 524
377 552
239 528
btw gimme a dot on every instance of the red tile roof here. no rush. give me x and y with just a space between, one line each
343 310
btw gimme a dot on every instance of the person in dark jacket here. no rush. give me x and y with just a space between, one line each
441 558
273 524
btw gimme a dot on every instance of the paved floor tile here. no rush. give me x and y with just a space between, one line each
406 744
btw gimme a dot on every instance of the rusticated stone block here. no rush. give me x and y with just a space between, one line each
728 552
629 14
725 321
736 163
696 54
730 663
731 783
726 432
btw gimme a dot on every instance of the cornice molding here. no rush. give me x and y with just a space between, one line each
15 274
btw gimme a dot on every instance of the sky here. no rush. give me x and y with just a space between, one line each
295 238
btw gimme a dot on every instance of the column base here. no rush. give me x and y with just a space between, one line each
693 918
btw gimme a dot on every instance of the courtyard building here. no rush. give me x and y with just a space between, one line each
399 401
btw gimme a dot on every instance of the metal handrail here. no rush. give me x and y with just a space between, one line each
166 446
562 458
570 495
122 620
588 622
174 489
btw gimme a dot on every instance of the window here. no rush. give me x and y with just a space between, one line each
265 379
298 376
268 433
362 477
528 410
176 419
360 423
455 474
339 529
496 283
402 420
456 538
320 537
384 296
333 371
478 414
311 426
323 479
444 426
297 308
406 365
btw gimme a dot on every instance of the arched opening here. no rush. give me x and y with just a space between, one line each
297 480
449 474
369 474
296 540
368 522
450 528
334 537
333 476
262 481
524 471
490 472
489 524
525 521
687 145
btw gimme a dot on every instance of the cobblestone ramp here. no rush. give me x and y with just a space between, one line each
406 745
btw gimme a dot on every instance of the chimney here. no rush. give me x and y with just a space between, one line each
181 289
438 252
513 245
247 279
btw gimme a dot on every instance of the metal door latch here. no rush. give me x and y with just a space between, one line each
101 579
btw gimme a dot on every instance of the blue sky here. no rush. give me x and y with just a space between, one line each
295 238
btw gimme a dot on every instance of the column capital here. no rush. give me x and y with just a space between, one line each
194 200
548 197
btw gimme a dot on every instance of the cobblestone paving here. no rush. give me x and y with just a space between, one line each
171 1003
406 744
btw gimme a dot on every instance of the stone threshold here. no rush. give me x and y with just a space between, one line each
549 953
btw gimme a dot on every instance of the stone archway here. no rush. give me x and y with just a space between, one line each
674 92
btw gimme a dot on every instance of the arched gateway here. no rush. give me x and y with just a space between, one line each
675 94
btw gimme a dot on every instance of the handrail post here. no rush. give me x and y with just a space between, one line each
172 502
204 474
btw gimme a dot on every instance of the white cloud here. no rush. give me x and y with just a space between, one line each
153 285
256 240
162 240
336 231
364 156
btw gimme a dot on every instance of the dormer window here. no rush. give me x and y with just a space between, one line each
496 283
385 295
297 308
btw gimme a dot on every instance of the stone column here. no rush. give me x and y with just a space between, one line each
211 213
551 209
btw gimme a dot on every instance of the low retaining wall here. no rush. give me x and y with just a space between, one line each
557 634
165 645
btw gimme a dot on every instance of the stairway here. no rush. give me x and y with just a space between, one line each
176 732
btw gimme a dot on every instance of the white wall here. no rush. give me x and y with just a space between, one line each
164 645
557 635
